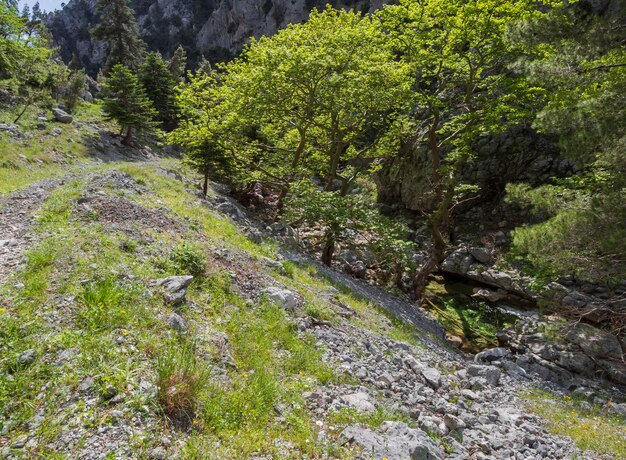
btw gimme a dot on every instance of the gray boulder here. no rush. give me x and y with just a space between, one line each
491 374
175 288
360 401
232 210
394 441
493 354
27 357
62 116
282 297
432 377
176 322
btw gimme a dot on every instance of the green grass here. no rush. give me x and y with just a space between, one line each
188 208
308 282
45 155
589 426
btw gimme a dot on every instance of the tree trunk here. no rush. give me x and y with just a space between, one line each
205 183
329 248
26 106
129 136
435 258
439 219
340 147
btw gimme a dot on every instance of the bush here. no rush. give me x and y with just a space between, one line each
188 259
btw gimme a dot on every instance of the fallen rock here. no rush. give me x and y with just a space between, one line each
490 373
27 357
175 288
493 354
394 441
282 297
360 401
176 322
432 377
61 116
232 210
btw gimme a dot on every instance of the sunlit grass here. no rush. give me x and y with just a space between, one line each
589 426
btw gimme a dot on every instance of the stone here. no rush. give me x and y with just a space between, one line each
177 323
282 297
491 374
175 288
360 401
62 116
27 357
453 423
482 255
432 377
493 354
232 210
394 441
158 453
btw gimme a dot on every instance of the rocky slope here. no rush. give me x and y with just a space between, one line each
214 29
123 289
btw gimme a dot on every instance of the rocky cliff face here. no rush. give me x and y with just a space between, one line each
517 155
215 29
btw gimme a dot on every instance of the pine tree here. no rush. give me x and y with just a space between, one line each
119 31
178 64
37 14
125 101
159 85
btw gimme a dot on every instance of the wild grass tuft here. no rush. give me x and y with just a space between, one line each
105 304
181 379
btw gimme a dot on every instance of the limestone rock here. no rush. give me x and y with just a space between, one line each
394 441
62 116
282 297
175 288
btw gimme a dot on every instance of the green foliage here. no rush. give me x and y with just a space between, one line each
22 44
177 65
188 260
580 62
307 99
74 89
159 85
349 217
119 31
588 425
203 130
125 101
457 51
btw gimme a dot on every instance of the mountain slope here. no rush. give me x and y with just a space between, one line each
138 319
213 29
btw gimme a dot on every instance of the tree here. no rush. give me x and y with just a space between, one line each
458 52
119 31
23 44
579 57
315 96
204 129
26 58
125 101
159 85
177 65
349 217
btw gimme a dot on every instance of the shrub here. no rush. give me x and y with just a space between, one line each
188 259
